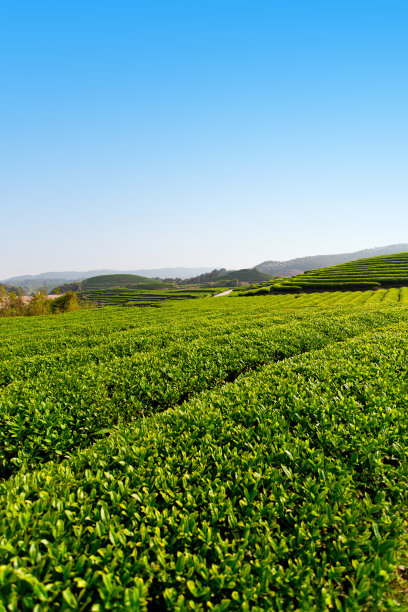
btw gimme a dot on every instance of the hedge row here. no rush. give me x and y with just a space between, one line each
53 404
283 491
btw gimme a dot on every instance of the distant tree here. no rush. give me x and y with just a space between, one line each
68 302
77 286
39 304
13 289
11 304
3 300
204 278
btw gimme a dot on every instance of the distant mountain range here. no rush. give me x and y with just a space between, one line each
301 264
50 280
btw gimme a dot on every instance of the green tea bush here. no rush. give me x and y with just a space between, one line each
285 490
65 398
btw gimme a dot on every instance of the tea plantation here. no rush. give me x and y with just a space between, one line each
133 290
226 454
134 296
362 274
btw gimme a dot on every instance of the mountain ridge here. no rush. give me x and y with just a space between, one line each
312 262
278 268
81 275
50 280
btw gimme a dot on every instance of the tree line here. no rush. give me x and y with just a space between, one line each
14 305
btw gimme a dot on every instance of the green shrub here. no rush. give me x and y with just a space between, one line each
285 490
67 302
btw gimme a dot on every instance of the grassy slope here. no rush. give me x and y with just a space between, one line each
372 268
250 275
132 290
315 262
144 295
108 281
386 270
371 273
119 289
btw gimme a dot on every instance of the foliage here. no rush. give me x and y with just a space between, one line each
314 262
212 454
139 296
224 278
249 275
38 304
11 289
11 304
208 277
371 273
72 286
108 281
67 302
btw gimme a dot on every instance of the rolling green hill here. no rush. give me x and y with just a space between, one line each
134 296
133 290
384 271
223 277
246 275
121 289
314 262
109 281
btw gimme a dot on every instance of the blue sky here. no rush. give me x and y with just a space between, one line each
139 134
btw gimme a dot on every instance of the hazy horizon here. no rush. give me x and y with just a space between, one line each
194 270
145 135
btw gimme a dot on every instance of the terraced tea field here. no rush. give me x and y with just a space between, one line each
333 298
228 454
133 296
372 273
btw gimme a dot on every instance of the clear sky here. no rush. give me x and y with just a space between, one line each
143 134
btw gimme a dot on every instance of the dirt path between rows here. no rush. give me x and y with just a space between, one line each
223 293
51 296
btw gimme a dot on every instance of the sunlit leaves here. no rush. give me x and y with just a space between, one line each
283 490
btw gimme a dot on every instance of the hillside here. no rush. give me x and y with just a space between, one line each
246 275
30 282
206 278
134 296
132 290
29 286
370 273
107 282
49 280
301 264
110 281
223 277
10 289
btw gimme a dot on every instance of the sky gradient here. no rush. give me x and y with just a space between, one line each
146 134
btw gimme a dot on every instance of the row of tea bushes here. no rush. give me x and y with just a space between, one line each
285 490
56 402
324 295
